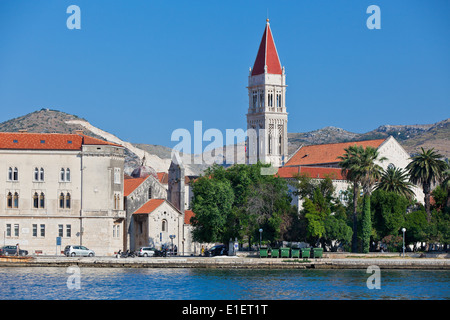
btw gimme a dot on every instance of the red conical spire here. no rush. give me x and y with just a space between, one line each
267 55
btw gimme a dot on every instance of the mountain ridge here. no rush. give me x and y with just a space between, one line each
411 137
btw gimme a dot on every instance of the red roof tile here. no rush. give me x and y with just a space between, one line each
326 153
267 55
149 206
40 141
313 172
129 185
188 214
47 141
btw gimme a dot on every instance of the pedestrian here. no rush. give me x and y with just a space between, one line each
175 250
203 250
17 250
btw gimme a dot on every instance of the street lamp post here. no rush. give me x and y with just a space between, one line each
260 238
172 236
403 230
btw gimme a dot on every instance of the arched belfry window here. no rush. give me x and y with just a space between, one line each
9 200
35 200
68 200
61 201
42 200
16 200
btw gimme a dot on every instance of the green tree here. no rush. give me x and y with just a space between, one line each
388 211
427 168
360 166
212 203
396 180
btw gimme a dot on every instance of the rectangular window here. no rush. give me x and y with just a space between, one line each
8 230
16 230
60 230
34 230
68 230
42 230
117 179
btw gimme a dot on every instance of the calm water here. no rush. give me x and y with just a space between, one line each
207 284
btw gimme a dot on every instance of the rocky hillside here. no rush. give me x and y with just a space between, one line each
411 137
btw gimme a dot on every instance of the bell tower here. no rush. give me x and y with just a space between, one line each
267 116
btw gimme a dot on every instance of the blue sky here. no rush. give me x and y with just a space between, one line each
141 69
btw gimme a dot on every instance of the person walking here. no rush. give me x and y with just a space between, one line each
17 250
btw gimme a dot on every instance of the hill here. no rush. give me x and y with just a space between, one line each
411 137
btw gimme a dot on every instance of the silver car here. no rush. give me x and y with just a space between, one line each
146 252
72 251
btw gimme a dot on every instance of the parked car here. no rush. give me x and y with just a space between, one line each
11 251
217 250
146 252
73 251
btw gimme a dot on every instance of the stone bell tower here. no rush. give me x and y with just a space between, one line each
267 115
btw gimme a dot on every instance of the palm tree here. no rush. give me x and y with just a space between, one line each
396 180
446 186
426 168
360 167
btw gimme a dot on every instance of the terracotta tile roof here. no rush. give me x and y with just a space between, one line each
149 206
267 55
129 185
163 177
47 141
40 141
313 172
326 153
87 140
188 214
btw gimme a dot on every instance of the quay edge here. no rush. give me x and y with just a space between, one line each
228 263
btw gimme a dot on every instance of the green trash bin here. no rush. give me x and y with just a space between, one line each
317 252
306 253
295 253
275 253
263 253
285 252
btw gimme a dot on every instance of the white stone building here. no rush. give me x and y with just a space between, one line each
61 185
320 161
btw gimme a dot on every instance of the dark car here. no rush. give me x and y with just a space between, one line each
217 250
161 253
11 251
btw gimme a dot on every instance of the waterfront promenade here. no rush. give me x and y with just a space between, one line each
329 261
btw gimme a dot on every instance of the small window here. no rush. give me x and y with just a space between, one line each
9 201
60 230
61 200
68 201
15 174
36 174
10 174
41 174
16 230
69 141
42 141
62 174
34 230
15 141
42 230
16 200
164 225
68 174
42 200
35 200
8 230
68 230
